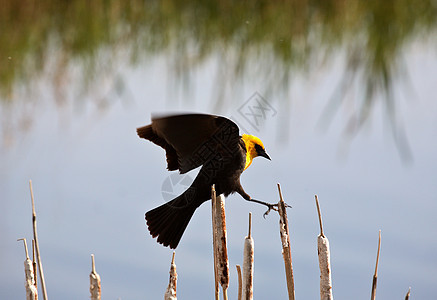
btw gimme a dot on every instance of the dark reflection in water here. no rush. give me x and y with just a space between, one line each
276 37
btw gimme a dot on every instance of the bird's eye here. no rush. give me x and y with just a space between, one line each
259 149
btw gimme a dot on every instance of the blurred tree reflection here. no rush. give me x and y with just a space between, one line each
278 37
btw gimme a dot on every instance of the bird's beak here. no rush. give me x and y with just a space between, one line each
264 154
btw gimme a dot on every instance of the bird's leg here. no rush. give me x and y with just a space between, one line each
270 206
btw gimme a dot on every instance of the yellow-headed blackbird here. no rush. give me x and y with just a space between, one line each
194 140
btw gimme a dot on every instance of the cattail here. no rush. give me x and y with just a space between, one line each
170 293
324 260
407 296
31 290
95 287
286 246
221 262
248 264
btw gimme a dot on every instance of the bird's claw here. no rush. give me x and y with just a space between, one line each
270 207
273 207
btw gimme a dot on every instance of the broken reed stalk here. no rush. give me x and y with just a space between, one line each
170 293
95 286
221 262
26 251
29 271
286 246
240 282
407 296
248 264
35 237
324 260
375 275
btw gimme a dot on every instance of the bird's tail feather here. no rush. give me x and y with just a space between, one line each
168 221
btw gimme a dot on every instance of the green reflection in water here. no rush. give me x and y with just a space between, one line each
278 37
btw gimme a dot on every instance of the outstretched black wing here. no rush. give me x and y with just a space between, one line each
191 140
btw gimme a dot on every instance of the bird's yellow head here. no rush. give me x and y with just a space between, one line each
254 148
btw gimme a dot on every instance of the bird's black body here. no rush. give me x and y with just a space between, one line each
190 141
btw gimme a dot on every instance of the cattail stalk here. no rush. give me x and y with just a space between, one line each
95 286
324 260
375 275
35 237
286 246
248 264
31 290
221 261
170 293
214 245
34 264
240 283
